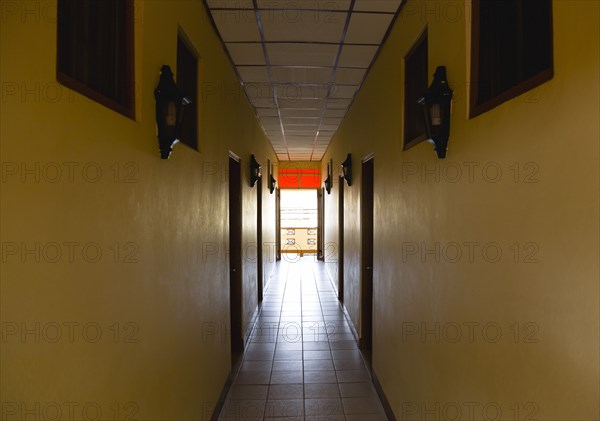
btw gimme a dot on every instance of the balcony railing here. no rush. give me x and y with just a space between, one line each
299 240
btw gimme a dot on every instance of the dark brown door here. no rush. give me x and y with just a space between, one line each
235 255
320 223
341 240
366 216
259 240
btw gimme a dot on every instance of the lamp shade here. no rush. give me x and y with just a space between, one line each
437 108
170 106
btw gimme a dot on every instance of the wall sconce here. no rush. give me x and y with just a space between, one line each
328 181
436 104
272 181
254 171
347 169
170 106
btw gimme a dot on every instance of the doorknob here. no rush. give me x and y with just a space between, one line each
233 270
369 268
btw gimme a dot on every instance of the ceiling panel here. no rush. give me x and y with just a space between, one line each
389 6
302 25
346 76
230 4
329 113
343 91
331 5
302 54
301 62
295 91
357 55
292 112
253 74
301 75
368 28
236 25
267 112
248 54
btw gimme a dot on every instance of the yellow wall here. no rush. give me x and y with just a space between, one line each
166 290
550 208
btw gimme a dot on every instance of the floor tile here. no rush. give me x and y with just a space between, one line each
353 376
286 391
357 390
320 377
286 377
290 408
302 361
253 377
321 390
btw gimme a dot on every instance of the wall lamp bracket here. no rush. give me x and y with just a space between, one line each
272 181
170 108
437 109
254 171
347 169
328 181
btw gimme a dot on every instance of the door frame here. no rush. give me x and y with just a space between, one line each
259 240
341 239
367 187
235 254
320 224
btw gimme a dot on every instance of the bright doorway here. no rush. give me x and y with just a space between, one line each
299 219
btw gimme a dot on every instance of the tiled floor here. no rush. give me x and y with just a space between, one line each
302 362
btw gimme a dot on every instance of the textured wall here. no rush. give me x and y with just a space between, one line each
438 309
159 292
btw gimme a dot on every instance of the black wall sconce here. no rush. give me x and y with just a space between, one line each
272 181
170 106
436 104
328 181
254 171
347 169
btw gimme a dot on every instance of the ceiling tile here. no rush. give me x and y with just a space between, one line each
244 53
349 76
302 54
390 6
253 73
294 91
357 56
329 127
270 120
292 112
301 120
346 91
258 90
329 113
336 121
295 25
316 104
236 25
368 28
262 102
331 5
339 104
230 4
298 75
267 112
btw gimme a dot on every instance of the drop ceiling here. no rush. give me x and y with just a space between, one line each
301 62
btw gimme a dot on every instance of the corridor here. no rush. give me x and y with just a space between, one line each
302 362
